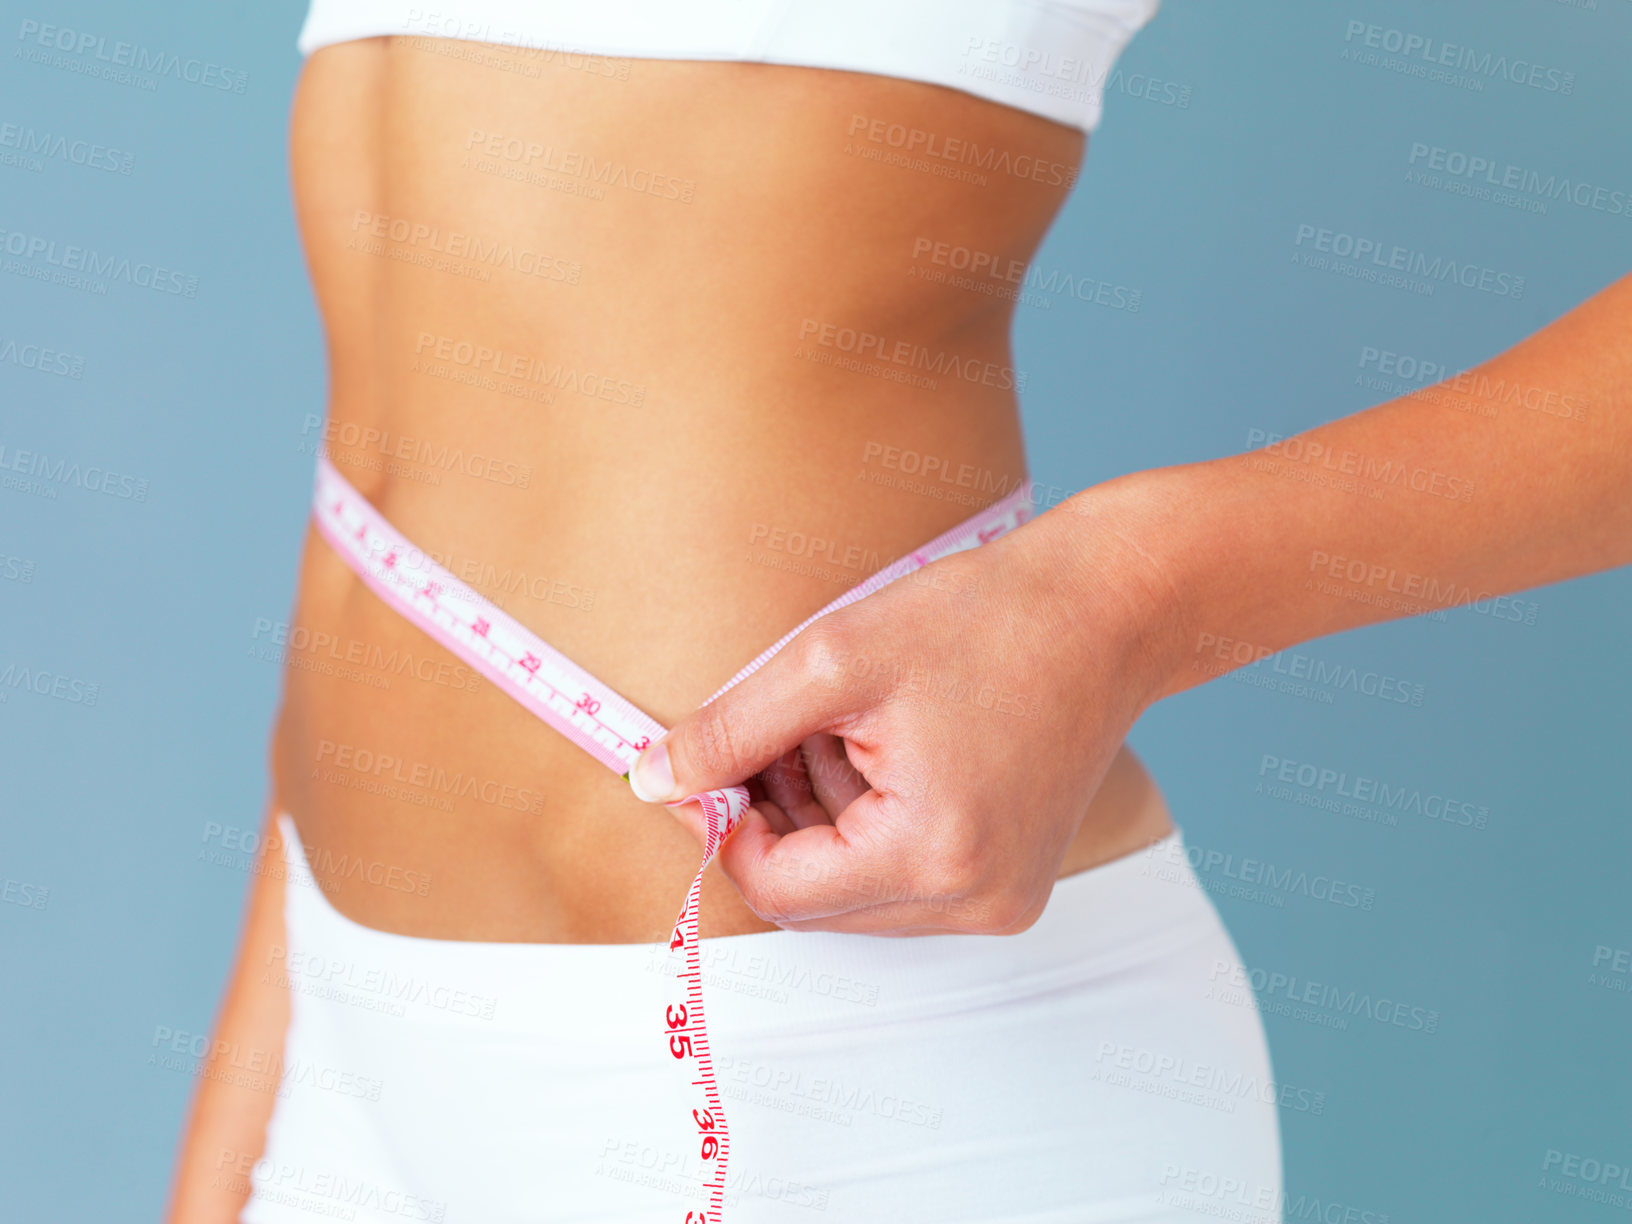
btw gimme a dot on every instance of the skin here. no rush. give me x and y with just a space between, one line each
709 313
226 1130
1516 473
643 543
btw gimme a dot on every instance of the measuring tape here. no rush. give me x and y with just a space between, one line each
601 722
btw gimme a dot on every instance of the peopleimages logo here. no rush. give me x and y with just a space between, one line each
1312 453
521 368
42 470
1505 176
387 767
1611 969
258 1060
532 155
1424 591
1364 789
1230 1197
439 456
1587 1169
1044 71
38 357
1262 876
936 147
1289 989
84 263
488 252
1407 261
1009 278
42 145
1403 366
909 355
1231 1085
48 684
84 45
1420 49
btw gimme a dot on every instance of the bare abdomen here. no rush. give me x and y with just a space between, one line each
601 345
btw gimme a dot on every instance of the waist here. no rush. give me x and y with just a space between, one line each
1116 915
400 754
404 757
661 576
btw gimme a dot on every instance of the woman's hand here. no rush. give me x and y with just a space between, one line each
981 699
928 752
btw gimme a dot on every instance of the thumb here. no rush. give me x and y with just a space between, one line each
801 690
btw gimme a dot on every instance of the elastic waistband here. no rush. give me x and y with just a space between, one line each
1097 921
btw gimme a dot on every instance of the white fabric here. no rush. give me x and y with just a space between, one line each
1051 57
1088 1069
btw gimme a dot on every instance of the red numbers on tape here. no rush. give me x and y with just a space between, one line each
684 1024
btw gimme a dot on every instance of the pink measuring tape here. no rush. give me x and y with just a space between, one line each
601 722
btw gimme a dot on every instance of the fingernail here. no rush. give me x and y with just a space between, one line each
652 778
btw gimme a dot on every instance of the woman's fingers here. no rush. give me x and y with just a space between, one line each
812 873
800 691
788 785
834 780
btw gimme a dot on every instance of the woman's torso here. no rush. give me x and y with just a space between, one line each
661 357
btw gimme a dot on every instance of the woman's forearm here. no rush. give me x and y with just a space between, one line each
226 1129
1510 475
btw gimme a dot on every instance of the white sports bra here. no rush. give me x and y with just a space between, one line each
1050 57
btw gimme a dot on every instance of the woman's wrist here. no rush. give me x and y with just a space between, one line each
1218 558
1123 553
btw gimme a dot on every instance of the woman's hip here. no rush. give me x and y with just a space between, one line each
1077 1071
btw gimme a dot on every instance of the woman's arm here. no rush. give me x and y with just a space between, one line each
1514 474
226 1130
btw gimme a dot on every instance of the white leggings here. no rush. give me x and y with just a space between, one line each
1089 1069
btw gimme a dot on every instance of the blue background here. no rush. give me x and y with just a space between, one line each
1192 195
